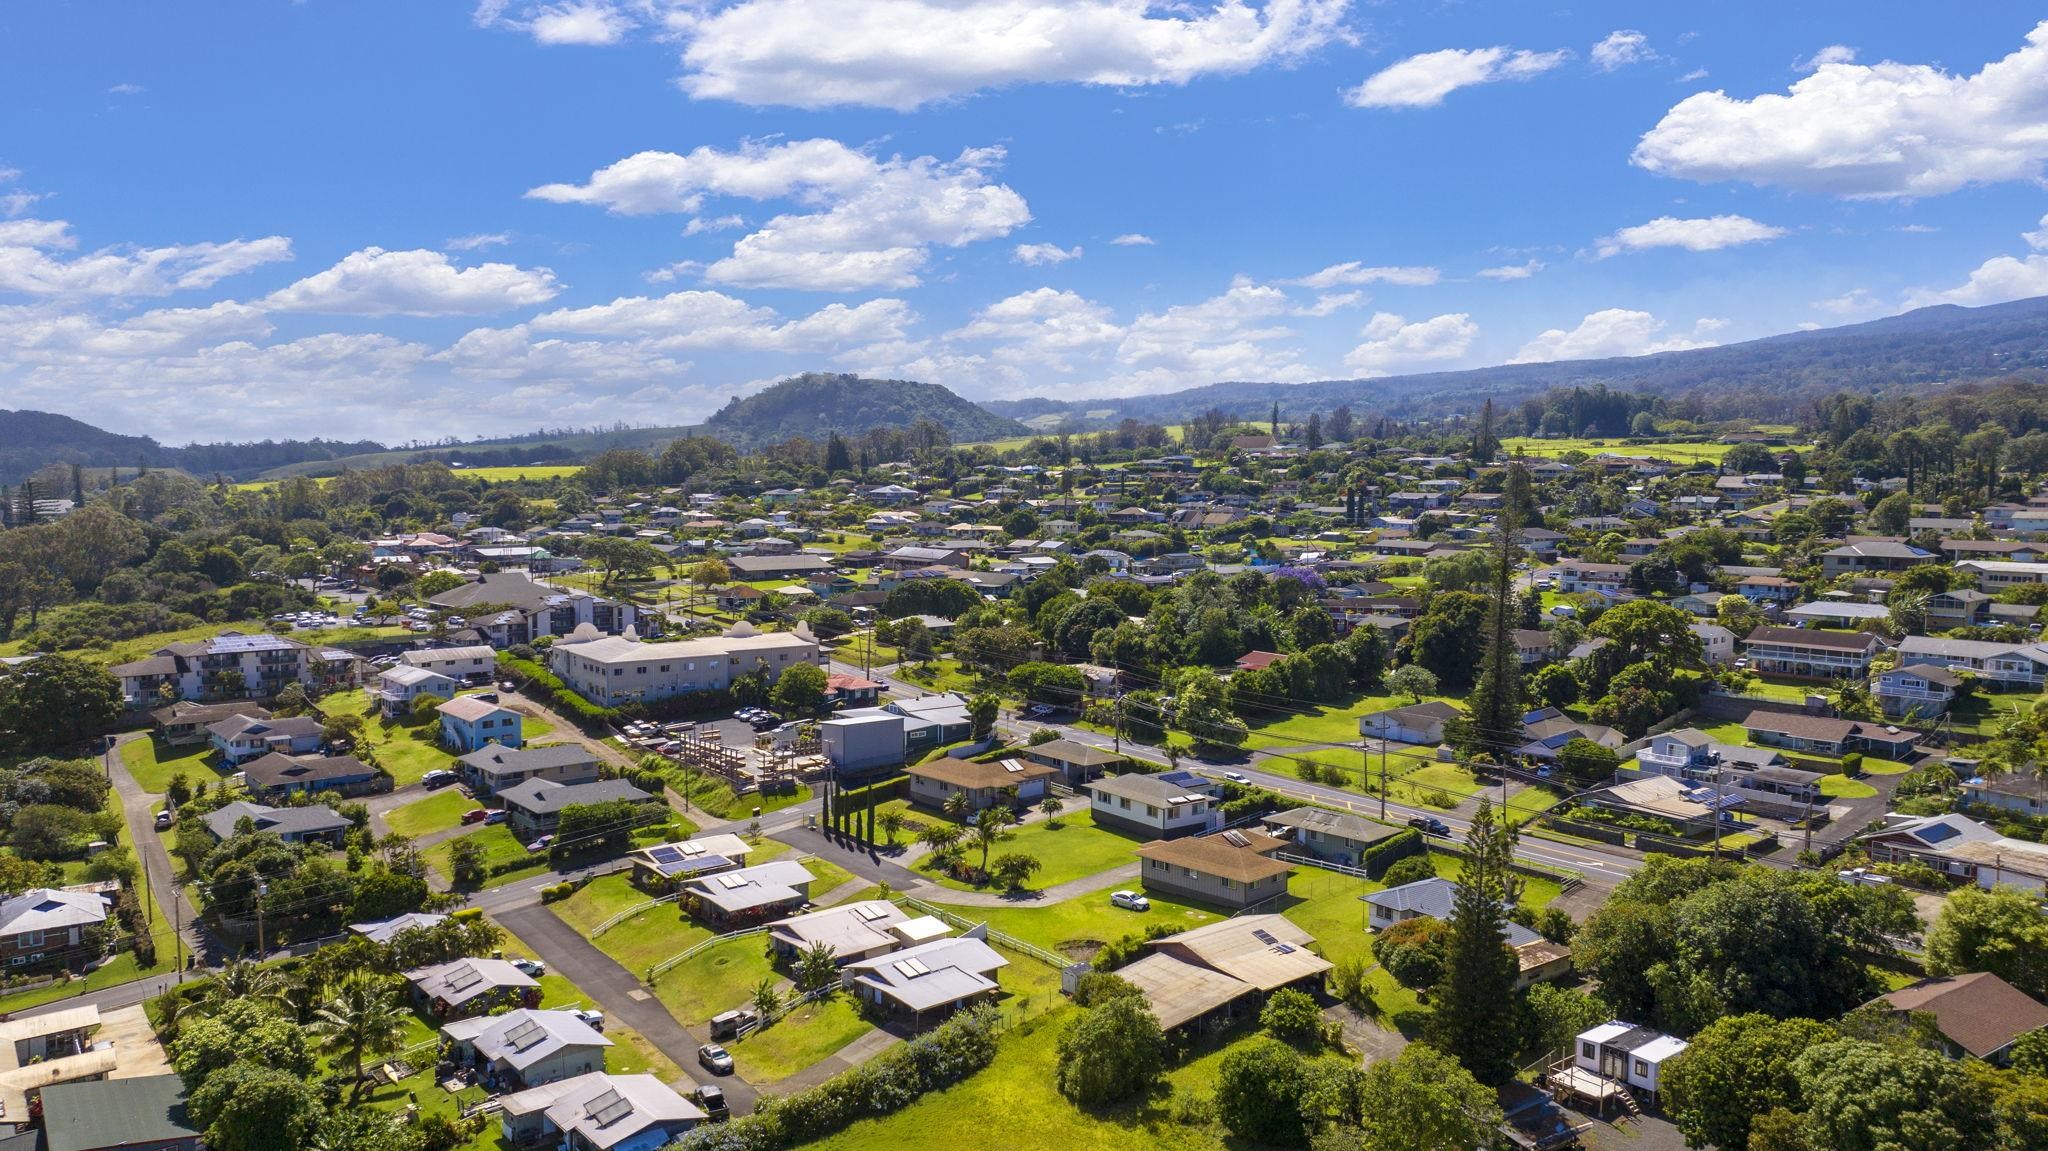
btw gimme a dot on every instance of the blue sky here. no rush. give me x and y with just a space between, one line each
408 220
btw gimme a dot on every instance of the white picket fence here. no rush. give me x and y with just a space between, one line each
665 966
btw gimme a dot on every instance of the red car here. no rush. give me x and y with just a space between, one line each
476 815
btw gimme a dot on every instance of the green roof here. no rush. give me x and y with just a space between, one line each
115 1113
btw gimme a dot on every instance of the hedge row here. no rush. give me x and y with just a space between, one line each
889 1082
1375 860
546 684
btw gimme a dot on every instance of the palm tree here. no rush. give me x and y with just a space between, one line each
956 806
987 831
241 979
1052 807
363 1018
891 823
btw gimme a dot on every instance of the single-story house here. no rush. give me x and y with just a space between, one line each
1172 803
1536 958
1625 1053
526 1047
927 978
1421 723
1077 762
146 1112
851 690
243 737
662 867
46 925
469 722
464 987
186 722
984 784
748 895
491 769
1336 836
313 823
1231 868
1978 1015
598 1112
1826 735
385 930
854 931
535 807
1224 969
276 775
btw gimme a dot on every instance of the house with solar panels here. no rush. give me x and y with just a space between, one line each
464 987
526 1048
748 895
231 665
665 867
598 1112
929 980
1162 806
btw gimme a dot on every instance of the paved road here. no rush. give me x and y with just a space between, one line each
618 993
138 809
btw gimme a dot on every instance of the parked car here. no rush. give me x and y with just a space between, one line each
541 844
1430 825
594 1018
1237 777
715 1059
439 777
531 968
711 1097
476 815
1129 901
493 818
729 1024
163 821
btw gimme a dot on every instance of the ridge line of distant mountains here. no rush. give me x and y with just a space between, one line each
1767 379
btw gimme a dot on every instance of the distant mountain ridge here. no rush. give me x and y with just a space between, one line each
816 404
1922 348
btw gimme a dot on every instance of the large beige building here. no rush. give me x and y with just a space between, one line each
618 670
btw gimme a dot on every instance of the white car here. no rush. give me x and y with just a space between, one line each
1237 777
1129 901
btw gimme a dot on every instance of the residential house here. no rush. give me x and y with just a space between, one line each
1334 836
144 1113
386 930
1574 576
854 931
1221 971
241 737
1717 643
1547 730
313 823
1005 782
461 664
1767 589
525 1047
1809 653
1536 958
2008 665
616 670
1841 613
231 665
1997 575
469 722
396 688
1826 735
1077 763
1162 806
598 1111
2023 795
1978 1015
184 723
748 895
1625 1053
461 988
535 806
492 768
851 690
1532 645
1929 839
1421 723
275 776
2009 551
1229 869
663 867
45 926
1921 689
778 567
1721 776
927 979
510 608
1873 555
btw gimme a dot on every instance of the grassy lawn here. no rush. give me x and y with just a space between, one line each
1074 849
1020 1084
1842 787
152 764
946 675
1337 723
408 751
500 846
1088 920
128 650
718 979
1626 446
799 1039
438 812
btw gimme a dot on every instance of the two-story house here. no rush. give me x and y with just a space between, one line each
469 722
461 664
1810 653
509 608
2010 665
1921 688
240 737
1575 576
1873 555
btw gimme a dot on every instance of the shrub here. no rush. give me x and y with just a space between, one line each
1113 1052
1042 735
1130 948
1291 1017
1409 870
1375 860
555 892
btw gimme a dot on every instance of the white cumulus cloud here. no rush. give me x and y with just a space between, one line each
1613 332
1866 130
418 282
1620 48
872 221
579 23
1034 255
1392 342
1134 239
1520 271
2000 278
1355 272
1424 80
1704 234
32 262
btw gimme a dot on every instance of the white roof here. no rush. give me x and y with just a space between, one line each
524 1037
606 1110
406 675
444 654
617 649
762 885
48 909
935 974
1658 1050
850 929
383 929
461 980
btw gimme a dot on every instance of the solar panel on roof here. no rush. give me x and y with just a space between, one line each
732 881
1284 948
912 968
666 853
608 1108
525 1035
1264 936
464 977
690 848
871 913
1236 839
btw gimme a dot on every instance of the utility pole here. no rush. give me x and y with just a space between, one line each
178 932
262 891
1717 813
1383 778
1118 725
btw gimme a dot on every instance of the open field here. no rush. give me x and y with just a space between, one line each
129 650
152 764
1074 849
800 1038
1658 449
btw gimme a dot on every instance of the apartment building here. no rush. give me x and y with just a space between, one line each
616 670
231 665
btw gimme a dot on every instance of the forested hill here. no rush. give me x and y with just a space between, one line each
30 440
1774 378
816 403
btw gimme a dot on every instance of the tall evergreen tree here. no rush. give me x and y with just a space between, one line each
25 503
1274 423
1519 497
1475 1018
1340 424
837 458
1315 430
77 486
1485 444
1494 710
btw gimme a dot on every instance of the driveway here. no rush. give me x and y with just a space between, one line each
138 810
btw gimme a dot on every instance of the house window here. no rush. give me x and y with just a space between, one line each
1642 1069
1157 864
28 939
1586 1051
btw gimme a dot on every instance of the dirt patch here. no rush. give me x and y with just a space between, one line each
1081 950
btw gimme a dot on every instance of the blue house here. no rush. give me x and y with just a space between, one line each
469 722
